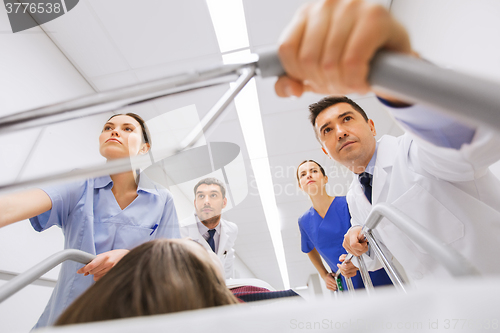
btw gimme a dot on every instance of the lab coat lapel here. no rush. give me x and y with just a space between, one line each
359 206
195 235
223 239
386 153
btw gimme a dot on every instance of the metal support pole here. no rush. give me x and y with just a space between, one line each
365 276
218 109
350 286
117 98
391 271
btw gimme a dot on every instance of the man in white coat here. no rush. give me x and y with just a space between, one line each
437 172
207 227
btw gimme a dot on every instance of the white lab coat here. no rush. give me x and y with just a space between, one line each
450 192
228 234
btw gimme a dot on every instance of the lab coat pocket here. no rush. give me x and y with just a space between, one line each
427 211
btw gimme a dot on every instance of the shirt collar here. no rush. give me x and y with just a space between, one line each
145 184
371 165
102 182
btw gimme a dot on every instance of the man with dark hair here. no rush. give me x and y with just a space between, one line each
316 108
207 227
437 172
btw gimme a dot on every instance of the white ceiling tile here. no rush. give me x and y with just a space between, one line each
181 66
267 19
34 71
154 32
283 138
15 149
455 34
82 38
114 80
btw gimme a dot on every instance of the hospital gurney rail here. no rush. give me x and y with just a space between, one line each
453 261
26 278
414 80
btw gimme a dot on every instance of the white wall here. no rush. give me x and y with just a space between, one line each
33 73
461 34
458 34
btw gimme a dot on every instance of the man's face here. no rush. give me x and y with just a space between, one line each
209 201
346 136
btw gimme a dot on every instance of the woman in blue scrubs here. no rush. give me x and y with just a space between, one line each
106 216
323 226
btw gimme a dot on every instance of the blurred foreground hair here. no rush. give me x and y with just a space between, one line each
157 277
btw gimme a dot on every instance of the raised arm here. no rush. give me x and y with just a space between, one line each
23 205
325 275
328 46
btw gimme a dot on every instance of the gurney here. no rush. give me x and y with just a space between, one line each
409 78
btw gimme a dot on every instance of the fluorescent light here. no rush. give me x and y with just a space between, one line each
228 18
247 107
264 181
301 288
239 57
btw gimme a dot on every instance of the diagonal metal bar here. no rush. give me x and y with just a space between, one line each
218 109
26 278
394 274
141 161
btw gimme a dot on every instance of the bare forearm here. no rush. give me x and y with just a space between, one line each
316 261
20 206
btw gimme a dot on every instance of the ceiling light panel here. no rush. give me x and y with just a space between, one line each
229 22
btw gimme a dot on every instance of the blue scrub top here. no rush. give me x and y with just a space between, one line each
92 221
326 235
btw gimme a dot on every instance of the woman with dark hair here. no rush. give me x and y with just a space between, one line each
105 216
157 277
323 226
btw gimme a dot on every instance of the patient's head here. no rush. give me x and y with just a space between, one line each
160 276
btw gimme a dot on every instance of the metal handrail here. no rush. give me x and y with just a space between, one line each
456 264
139 161
26 278
365 276
412 79
453 261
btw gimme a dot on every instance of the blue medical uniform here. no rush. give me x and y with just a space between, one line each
92 221
327 235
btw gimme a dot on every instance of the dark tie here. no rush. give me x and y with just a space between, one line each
210 239
365 180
